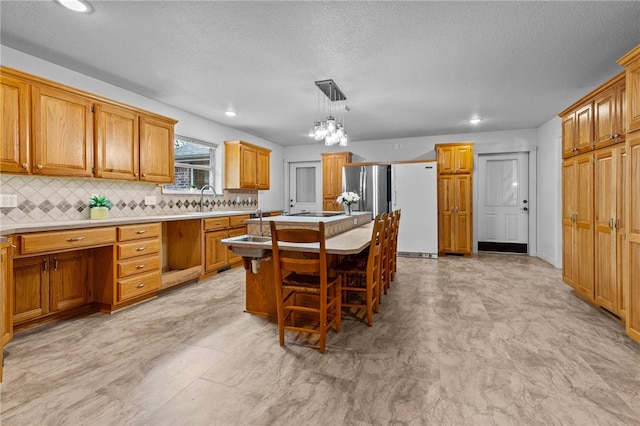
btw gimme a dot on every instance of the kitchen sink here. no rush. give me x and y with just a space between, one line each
240 245
252 239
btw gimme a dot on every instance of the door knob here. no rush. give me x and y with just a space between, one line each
524 209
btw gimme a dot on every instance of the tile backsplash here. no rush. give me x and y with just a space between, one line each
43 199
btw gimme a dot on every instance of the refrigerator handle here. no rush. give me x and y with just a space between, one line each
363 186
395 197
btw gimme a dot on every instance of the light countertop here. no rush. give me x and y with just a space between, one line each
15 228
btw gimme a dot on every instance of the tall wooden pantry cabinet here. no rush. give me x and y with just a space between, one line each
332 164
455 218
631 62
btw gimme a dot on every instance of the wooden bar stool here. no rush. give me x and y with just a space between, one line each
385 255
303 286
361 277
395 228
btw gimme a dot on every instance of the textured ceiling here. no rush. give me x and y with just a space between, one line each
407 68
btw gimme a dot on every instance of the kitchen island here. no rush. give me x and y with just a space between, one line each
348 235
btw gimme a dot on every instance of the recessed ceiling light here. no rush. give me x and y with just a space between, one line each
230 113
75 5
475 120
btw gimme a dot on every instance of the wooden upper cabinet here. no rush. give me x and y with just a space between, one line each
246 166
62 132
609 109
455 158
577 130
14 134
117 143
631 62
51 129
156 150
264 172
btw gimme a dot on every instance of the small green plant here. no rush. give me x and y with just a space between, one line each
97 201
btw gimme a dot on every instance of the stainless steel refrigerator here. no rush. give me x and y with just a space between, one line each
372 183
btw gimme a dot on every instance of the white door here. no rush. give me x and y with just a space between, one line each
503 189
305 187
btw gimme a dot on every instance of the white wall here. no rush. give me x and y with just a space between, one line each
550 192
188 124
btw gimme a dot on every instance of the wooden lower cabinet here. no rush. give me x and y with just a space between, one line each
609 228
48 284
217 256
6 288
578 247
6 292
454 214
633 234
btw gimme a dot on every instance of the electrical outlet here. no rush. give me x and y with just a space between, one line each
150 200
237 200
249 200
8 200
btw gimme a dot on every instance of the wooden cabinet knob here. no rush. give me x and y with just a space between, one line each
39 166
24 165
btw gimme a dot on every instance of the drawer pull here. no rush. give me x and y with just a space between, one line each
141 248
140 266
75 239
142 231
141 285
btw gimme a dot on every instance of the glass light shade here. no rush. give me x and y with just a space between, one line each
331 124
343 139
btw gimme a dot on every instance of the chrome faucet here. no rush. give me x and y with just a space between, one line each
202 193
259 213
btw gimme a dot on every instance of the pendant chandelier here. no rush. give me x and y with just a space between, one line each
331 107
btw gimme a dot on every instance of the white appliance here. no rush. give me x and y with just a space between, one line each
415 192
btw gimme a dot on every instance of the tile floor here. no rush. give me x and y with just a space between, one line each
492 339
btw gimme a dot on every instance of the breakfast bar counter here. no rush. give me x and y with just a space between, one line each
260 287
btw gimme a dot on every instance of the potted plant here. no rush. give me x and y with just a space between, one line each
99 207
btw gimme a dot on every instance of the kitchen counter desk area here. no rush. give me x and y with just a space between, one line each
344 235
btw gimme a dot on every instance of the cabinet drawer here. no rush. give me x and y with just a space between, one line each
216 223
139 285
62 240
137 232
238 220
138 248
138 265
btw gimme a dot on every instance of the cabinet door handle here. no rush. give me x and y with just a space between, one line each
75 239
144 175
140 266
24 165
13 246
141 248
141 285
617 224
45 262
39 166
55 263
616 136
142 231
611 223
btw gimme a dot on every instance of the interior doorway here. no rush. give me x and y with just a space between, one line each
305 187
503 202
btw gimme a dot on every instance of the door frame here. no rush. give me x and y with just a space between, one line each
484 149
287 181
